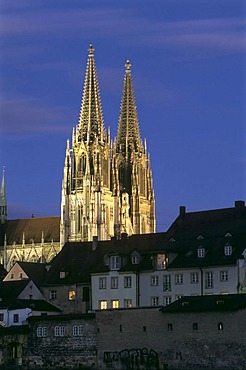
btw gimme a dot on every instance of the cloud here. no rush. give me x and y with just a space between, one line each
28 115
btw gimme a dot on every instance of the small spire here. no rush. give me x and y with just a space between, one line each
128 65
91 50
3 200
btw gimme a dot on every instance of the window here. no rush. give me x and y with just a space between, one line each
154 280
11 276
166 283
161 261
179 279
170 327
127 303
78 330
115 303
71 295
21 275
167 300
144 329
59 331
223 275
114 282
41 331
200 252
114 262
16 317
102 283
103 305
208 280
228 250
135 259
178 296
62 274
86 294
52 294
195 326
154 301
194 277
220 326
1 316
127 281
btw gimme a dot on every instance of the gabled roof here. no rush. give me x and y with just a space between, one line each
215 226
34 271
35 305
230 302
10 290
33 229
78 259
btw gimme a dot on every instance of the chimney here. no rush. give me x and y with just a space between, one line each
239 204
124 236
94 243
182 210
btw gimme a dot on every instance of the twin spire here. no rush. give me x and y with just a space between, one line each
91 124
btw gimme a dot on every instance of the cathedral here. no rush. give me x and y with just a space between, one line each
107 186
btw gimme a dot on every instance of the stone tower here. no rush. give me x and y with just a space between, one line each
106 190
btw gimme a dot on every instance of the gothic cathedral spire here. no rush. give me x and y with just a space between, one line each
106 190
3 201
131 167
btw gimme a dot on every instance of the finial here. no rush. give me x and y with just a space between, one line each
91 50
128 65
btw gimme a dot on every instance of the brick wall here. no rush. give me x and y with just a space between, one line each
67 351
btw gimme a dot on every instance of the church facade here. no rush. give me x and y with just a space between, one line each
107 187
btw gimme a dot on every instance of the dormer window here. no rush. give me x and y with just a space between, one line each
227 235
161 261
114 262
228 250
172 240
200 237
62 274
135 259
200 252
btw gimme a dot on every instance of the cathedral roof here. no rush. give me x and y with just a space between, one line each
31 229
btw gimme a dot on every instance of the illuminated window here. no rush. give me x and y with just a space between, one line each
194 278
62 274
161 261
78 330
53 294
41 331
220 326
114 282
115 303
228 250
102 283
179 279
208 280
201 252
127 303
114 262
103 305
178 296
71 295
127 281
166 283
167 300
223 275
154 280
59 331
154 301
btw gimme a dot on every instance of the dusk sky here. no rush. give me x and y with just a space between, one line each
188 68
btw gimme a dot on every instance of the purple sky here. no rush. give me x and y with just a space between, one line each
188 67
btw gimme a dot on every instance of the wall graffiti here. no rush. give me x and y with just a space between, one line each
133 359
